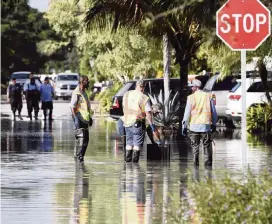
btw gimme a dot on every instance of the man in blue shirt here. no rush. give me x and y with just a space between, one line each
47 94
200 117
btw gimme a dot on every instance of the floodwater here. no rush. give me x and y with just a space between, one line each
42 183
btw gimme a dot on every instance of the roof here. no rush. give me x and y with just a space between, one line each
67 73
21 72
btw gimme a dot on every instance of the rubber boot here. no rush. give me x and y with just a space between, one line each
136 156
128 156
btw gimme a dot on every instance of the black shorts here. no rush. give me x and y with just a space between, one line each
47 105
16 104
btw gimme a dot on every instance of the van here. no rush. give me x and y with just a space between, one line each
21 77
64 84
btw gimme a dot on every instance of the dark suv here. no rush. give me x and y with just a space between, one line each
152 87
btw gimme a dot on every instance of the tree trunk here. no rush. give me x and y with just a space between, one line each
263 75
183 91
166 69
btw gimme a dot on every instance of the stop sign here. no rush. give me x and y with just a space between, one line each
243 24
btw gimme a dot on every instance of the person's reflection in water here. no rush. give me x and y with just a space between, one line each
47 142
133 194
82 198
207 174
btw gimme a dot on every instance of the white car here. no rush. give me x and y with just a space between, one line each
65 83
220 88
255 95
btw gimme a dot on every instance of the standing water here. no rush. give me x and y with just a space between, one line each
42 183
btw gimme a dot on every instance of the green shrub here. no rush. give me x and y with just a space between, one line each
259 118
225 201
105 97
3 89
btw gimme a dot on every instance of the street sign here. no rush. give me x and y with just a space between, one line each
243 24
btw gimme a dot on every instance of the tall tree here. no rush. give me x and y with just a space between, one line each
182 21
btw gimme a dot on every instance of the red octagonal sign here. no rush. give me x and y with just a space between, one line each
243 24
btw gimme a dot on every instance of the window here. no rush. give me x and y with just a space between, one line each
174 85
259 87
215 84
236 87
154 87
20 75
128 86
68 77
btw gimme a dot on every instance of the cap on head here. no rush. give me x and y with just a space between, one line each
46 79
83 78
140 83
197 83
13 79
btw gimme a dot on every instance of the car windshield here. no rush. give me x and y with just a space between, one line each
68 77
259 87
20 75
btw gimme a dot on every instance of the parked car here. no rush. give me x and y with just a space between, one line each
21 77
152 86
65 83
255 95
220 88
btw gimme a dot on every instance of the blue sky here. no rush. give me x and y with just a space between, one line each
41 5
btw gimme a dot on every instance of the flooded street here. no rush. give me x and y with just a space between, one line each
42 183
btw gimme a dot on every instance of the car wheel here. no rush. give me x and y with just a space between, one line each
56 98
229 123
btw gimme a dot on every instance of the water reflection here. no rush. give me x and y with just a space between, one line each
82 197
47 140
105 189
133 194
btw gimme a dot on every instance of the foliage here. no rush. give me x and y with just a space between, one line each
225 201
113 55
22 28
259 118
220 59
168 119
105 97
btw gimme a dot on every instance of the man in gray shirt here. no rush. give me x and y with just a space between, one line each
81 111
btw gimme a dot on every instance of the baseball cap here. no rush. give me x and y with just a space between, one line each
196 82
140 82
46 78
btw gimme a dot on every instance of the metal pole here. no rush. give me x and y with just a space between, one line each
244 90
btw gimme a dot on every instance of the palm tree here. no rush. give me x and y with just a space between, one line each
182 21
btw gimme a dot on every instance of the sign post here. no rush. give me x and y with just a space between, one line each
243 25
